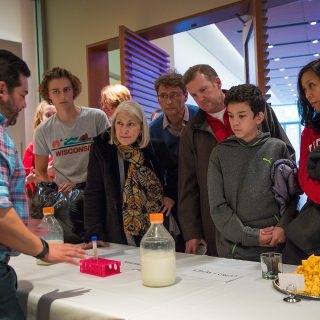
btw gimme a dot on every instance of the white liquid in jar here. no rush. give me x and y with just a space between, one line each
43 263
158 268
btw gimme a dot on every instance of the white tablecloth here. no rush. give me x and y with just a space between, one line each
62 292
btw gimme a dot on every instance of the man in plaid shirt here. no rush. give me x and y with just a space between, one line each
14 235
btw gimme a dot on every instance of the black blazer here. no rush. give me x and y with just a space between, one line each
103 195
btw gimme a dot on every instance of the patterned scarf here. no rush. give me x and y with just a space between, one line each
142 192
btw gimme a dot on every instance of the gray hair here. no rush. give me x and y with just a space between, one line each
135 110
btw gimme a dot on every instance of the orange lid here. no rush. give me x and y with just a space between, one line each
48 210
156 217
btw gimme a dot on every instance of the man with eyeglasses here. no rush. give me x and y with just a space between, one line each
172 97
203 132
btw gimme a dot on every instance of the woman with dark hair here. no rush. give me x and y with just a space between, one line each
303 233
309 110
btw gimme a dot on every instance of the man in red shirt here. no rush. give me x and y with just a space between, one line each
208 127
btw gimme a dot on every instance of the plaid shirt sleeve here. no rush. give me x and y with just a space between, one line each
12 177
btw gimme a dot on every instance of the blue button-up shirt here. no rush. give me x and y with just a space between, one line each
12 180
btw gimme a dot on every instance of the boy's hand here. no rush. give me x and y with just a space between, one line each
278 237
267 230
51 171
66 186
265 237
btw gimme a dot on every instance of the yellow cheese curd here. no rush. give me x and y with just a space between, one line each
311 270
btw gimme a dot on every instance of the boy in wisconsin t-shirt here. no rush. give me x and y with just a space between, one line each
68 134
66 137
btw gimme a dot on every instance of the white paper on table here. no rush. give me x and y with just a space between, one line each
211 272
130 263
129 259
102 253
291 280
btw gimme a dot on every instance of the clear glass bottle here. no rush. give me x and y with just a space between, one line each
49 229
157 254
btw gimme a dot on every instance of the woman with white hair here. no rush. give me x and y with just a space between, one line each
128 177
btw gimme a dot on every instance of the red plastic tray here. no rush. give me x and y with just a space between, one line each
100 267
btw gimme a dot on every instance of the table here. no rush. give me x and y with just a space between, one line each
61 292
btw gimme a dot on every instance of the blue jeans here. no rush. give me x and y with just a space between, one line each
9 304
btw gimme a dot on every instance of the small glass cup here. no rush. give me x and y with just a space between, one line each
271 265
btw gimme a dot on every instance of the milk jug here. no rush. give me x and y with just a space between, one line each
157 253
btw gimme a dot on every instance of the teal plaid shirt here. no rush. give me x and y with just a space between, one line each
12 180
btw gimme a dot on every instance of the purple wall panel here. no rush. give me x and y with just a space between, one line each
143 64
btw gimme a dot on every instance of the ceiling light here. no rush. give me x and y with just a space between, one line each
282 69
295 95
313 23
289 84
270 46
276 59
292 90
315 41
286 77
316 54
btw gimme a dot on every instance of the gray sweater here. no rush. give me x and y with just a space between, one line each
240 194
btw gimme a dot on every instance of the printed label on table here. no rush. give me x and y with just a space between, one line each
210 272
129 262
129 259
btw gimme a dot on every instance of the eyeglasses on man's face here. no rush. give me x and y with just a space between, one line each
171 96
65 90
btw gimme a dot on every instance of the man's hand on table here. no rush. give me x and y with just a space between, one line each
64 252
